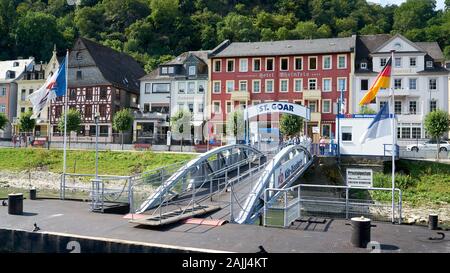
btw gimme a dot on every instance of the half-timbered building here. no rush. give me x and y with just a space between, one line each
100 80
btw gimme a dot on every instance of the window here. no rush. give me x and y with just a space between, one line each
3 92
413 107
298 63
118 94
22 110
326 63
256 86
256 64
192 70
30 91
397 107
163 70
284 64
2 108
171 69
326 129
229 107
312 84
432 84
406 132
201 108
413 84
58 111
364 84
181 87
104 130
79 56
312 106
103 93
89 93
161 88
191 88
397 83
363 65
382 104
398 62
269 64
102 110
298 85
216 86
23 95
201 87
312 63
416 132
412 61
180 106
230 86
217 65
146 107
242 85
433 105
284 85
243 65
216 107
148 88
92 129
326 106
88 111
191 107
73 94
346 133
269 86
342 61
230 65
429 64
79 75
342 84
326 85
382 62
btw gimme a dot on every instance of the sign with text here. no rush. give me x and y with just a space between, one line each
286 169
360 178
280 107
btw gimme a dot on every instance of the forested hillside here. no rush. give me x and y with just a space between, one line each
154 30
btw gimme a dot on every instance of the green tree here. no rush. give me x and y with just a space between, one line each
7 20
90 21
180 125
26 123
364 110
237 28
123 121
437 123
291 125
3 121
413 14
73 122
236 125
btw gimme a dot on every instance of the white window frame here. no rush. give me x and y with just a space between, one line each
295 62
214 85
240 65
231 106
345 61
309 62
253 64
281 60
323 62
345 87
363 65
330 106
429 64
381 62
295 85
401 83
287 85
226 86
265 85
429 83
214 65
345 131
214 106
309 84
253 86
246 85
316 106
189 70
234 65
415 61
323 84
273 64
409 83
395 62
185 87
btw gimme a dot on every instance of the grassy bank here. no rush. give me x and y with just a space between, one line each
421 182
117 163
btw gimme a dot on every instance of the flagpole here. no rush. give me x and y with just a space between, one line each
393 149
65 123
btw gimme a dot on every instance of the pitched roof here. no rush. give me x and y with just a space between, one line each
287 47
20 67
433 49
117 67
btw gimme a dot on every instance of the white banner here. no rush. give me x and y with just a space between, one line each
360 178
278 106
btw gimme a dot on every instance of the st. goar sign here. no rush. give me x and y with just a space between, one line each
280 107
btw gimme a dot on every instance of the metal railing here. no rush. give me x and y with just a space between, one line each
283 206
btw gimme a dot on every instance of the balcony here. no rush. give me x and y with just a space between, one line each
240 96
312 94
384 93
410 117
316 117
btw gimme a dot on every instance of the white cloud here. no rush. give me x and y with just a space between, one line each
439 3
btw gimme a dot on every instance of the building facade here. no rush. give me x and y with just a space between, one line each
419 79
10 72
308 72
100 81
181 83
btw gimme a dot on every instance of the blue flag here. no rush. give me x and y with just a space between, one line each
380 125
60 87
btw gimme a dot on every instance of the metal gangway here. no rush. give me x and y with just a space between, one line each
221 183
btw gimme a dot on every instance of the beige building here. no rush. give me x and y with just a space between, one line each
31 80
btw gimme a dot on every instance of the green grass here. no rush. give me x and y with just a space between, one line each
113 163
421 182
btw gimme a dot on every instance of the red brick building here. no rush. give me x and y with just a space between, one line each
308 72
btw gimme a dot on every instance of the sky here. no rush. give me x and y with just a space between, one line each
439 3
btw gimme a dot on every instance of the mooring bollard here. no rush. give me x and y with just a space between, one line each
433 221
360 231
33 194
15 203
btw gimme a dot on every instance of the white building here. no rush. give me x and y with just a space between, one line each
418 76
181 83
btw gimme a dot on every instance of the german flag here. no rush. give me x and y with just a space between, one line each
382 81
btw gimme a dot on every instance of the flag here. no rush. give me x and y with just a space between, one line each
379 127
382 81
55 86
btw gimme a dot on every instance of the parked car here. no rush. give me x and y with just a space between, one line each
430 145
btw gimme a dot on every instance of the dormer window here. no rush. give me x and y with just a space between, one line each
164 70
15 64
382 62
429 64
192 69
79 56
171 69
364 65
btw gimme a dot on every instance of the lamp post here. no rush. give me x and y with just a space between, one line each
96 118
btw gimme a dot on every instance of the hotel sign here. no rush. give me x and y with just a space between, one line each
271 75
360 178
279 107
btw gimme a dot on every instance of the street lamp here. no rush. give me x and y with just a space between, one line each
96 118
